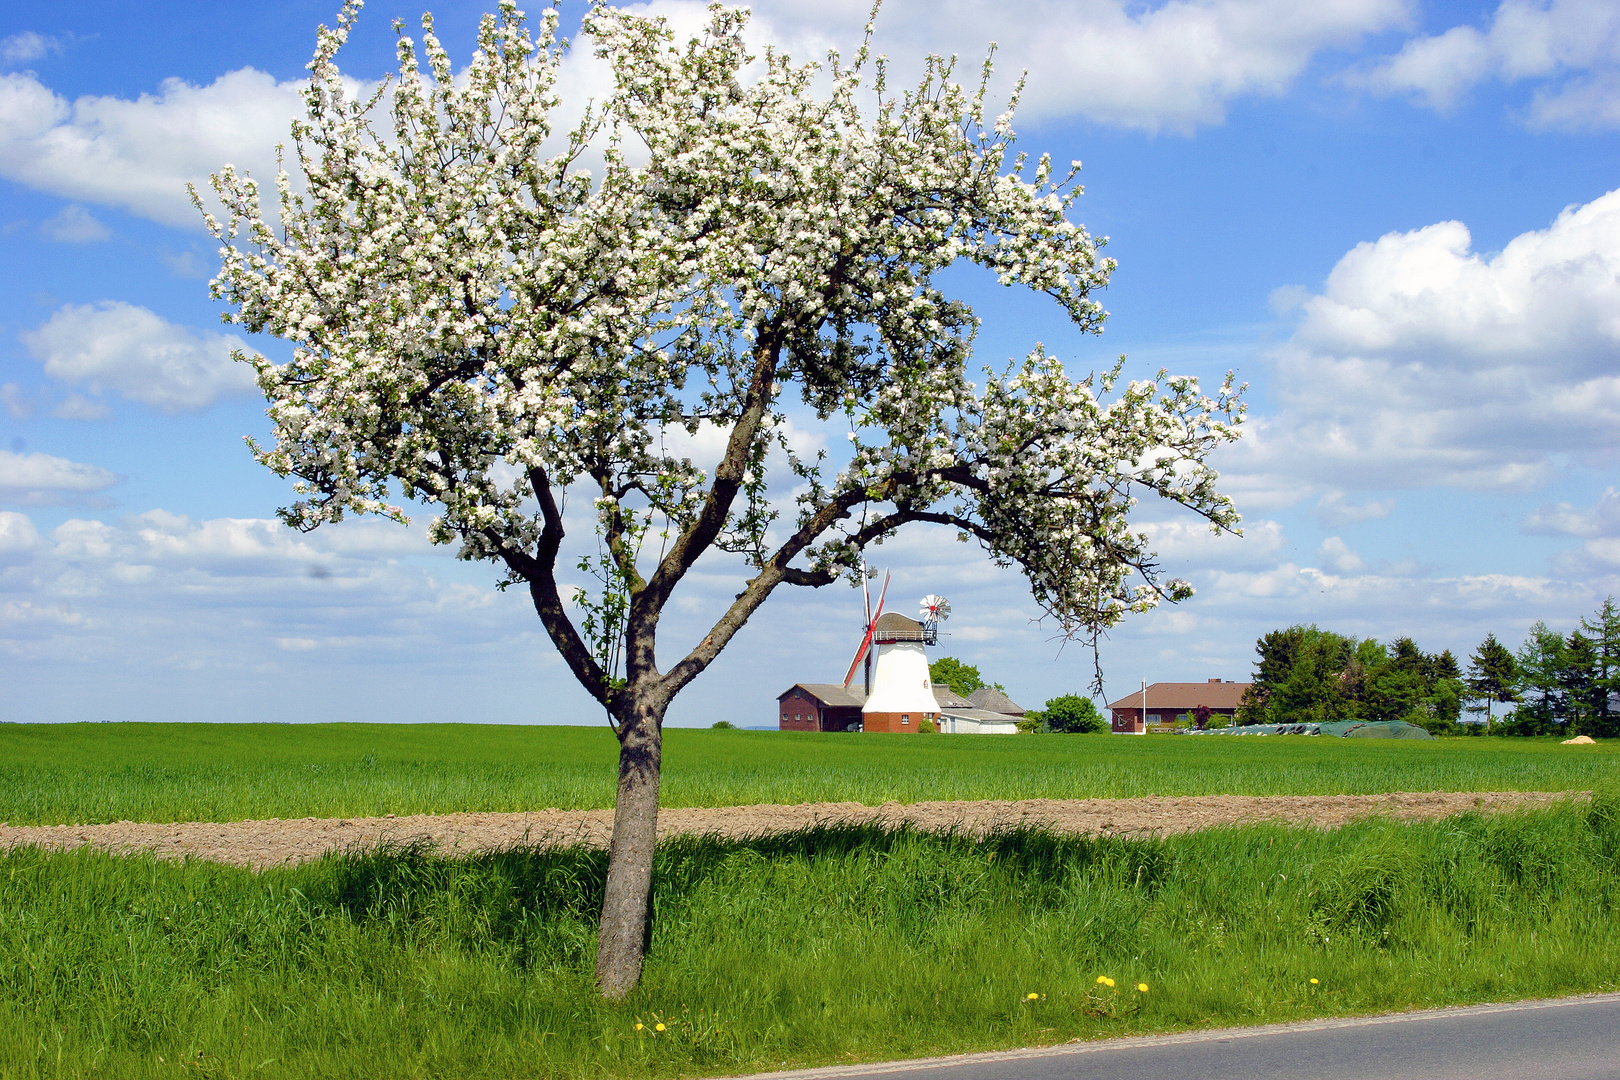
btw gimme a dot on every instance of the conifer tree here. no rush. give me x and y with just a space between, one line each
1493 675
1604 634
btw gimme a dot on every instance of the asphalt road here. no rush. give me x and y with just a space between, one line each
1561 1039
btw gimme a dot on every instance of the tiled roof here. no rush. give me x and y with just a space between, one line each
988 697
1185 695
835 695
981 715
830 693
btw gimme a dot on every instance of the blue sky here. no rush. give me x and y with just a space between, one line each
1393 219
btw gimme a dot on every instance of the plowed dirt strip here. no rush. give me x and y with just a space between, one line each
258 844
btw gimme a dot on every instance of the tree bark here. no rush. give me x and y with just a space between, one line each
621 941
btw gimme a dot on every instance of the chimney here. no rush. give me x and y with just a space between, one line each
1214 680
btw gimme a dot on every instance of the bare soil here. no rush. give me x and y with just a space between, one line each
258 844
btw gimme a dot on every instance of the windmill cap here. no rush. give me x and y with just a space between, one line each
893 626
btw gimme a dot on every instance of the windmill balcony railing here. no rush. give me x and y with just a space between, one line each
928 635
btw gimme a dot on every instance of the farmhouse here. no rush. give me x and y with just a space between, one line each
831 707
1163 702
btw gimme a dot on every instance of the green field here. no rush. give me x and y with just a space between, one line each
82 773
829 945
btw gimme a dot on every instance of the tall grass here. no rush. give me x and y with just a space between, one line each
79 773
826 945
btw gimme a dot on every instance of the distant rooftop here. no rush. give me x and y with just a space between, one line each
1214 694
834 695
988 697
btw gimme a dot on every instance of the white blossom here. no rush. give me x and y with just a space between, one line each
484 327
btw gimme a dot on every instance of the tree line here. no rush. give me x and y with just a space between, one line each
1556 683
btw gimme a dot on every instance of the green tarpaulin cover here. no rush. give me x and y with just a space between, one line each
1343 729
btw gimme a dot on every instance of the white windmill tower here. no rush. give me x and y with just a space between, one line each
900 695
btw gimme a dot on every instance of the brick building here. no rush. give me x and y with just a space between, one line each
1163 702
831 707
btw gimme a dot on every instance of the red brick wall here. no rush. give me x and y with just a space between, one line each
798 712
1129 719
904 723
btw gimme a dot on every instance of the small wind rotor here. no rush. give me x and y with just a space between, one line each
935 609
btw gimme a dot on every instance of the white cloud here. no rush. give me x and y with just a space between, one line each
17 534
236 619
1175 66
73 224
1186 541
1423 362
1563 519
16 401
1598 525
1333 512
139 154
1335 554
79 407
1571 47
1214 634
26 46
120 347
43 480
1170 66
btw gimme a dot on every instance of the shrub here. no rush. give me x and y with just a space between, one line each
1074 715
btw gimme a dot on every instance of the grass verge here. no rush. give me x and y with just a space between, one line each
827 945
82 773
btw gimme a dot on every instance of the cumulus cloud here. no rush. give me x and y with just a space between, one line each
139 154
245 619
1334 512
1187 542
42 480
1335 554
17 403
73 224
1215 633
1172 66
114 346
1424 362
1175 66
1598 525
1564 519
26 46
1452 609
17 534
1570 48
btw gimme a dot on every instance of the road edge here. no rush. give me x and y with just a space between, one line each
1135 1042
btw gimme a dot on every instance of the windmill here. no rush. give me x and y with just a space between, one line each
865 651
899 692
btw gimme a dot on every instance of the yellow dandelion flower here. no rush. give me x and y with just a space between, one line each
1314 982
638 1027
1103 980
658 1027
1141 988
1031 997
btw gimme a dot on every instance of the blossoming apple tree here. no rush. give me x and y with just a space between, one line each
483 325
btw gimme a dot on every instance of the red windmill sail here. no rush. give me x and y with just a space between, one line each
871 628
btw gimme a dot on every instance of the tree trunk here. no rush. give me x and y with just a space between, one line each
623 934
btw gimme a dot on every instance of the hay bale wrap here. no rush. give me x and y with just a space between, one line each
1343 729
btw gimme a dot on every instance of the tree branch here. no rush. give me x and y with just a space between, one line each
539 570
648 604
